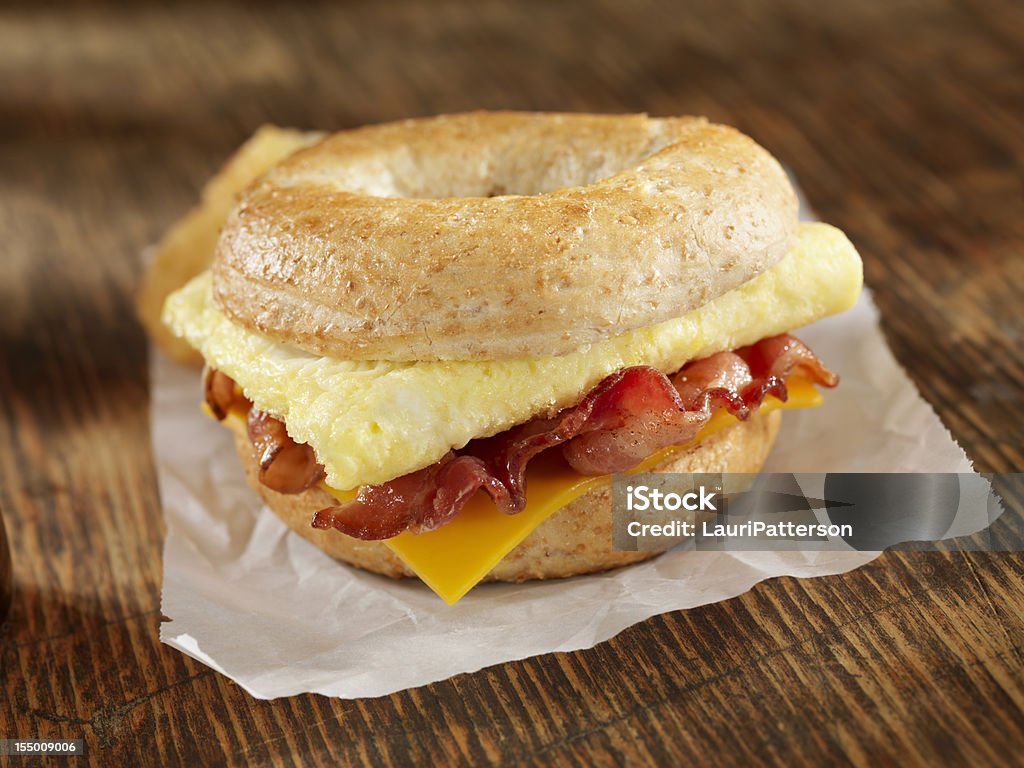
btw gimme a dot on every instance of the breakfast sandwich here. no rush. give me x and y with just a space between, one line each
436 340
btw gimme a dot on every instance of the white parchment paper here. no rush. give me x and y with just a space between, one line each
261 605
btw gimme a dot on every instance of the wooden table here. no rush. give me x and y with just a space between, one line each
903 121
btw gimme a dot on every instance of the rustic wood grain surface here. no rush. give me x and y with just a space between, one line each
904 122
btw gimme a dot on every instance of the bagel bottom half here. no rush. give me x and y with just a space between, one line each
575 540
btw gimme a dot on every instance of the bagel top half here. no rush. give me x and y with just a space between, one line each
488 236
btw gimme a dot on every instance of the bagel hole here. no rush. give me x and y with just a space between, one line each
511 166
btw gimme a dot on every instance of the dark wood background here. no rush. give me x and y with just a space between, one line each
905 124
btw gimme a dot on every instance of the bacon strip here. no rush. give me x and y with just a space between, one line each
221 393
284 465
626 417
738 381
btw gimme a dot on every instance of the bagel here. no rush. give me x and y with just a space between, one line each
401 316
413 240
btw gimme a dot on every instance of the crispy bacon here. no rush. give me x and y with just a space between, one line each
626 417
737 381
221 393
420 501
284 465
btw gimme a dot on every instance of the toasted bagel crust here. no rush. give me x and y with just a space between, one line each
576 539
416 240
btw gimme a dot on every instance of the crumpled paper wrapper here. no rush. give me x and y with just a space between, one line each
262 606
